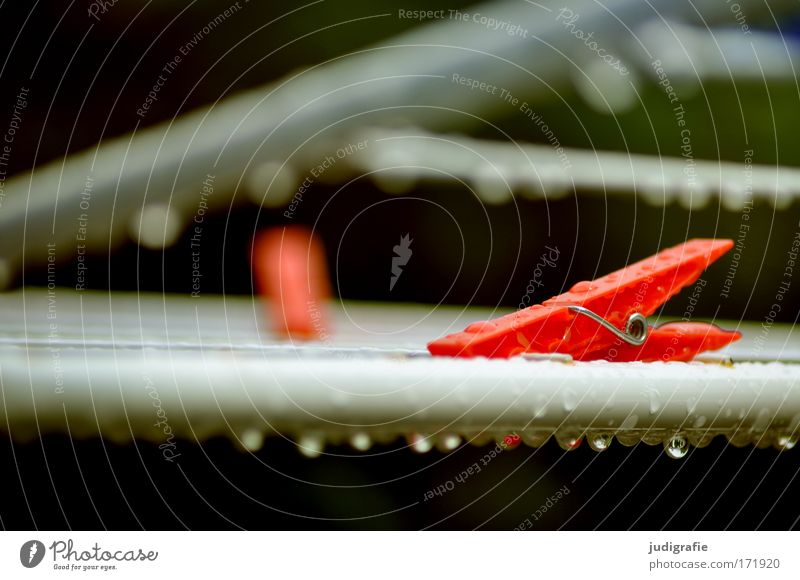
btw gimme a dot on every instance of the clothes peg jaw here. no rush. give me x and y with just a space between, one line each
594 315
673 341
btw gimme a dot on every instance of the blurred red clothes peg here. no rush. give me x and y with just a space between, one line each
290 270
605 318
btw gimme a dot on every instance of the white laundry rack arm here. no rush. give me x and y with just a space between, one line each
248 386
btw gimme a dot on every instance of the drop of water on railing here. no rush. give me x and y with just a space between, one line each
629 422
420 443
535 438
448 442
599 441
653 437
700 438
540 409
311 445
480 439
568 441
676 446
629 438
252 439
510 441
739 438
786 442
360 441
655 402
761 421
627 435
570 400
763 441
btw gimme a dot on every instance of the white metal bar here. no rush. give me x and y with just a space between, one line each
166 166
329 392
497 171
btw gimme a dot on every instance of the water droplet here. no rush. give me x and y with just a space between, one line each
252 439
360 441
655 402
479 439
568 441
763 441
676 446
626 434
478 327
761 421
581 287
395 182
629 438
699 422
338 398
654 437
510 442
490 185
540 408
570 399
739 438
311 445
271 184
535 438
786 442
156 226
448 442
420 443
599 441
629 422
700 439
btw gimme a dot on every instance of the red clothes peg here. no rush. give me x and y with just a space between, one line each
588 320
289 269
673 341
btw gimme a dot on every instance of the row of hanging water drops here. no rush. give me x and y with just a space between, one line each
676 445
